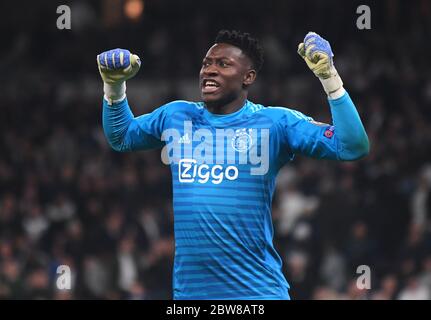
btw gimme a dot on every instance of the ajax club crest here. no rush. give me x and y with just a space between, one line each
242 140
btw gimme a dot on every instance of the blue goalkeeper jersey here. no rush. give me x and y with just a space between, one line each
223 174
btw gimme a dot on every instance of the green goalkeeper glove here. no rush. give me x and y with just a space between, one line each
318 55
116 67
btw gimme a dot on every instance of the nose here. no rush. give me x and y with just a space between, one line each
210 70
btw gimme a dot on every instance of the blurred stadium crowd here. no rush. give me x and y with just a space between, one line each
66 198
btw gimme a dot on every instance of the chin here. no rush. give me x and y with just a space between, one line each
210 98
218 99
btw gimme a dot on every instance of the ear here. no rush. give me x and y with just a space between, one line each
249 77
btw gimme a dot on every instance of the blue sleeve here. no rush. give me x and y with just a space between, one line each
125 132
345 139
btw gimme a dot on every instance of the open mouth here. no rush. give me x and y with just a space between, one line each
210 86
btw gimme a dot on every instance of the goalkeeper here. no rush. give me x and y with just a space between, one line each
223 228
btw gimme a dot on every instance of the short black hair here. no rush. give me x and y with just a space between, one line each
249 45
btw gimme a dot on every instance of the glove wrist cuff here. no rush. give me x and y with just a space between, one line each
114 92
333 85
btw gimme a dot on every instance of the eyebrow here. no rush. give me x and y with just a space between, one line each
219 58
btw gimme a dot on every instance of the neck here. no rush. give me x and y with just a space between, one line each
221 107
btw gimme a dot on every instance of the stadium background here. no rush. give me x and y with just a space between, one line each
66 198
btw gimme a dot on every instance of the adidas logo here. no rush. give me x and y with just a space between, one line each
184 139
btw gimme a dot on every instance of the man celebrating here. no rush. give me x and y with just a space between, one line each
224 154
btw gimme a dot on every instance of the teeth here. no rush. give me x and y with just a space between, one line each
209 83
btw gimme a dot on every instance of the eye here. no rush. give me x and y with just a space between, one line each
223 64
205 64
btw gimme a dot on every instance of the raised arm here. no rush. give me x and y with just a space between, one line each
346 138
123 130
